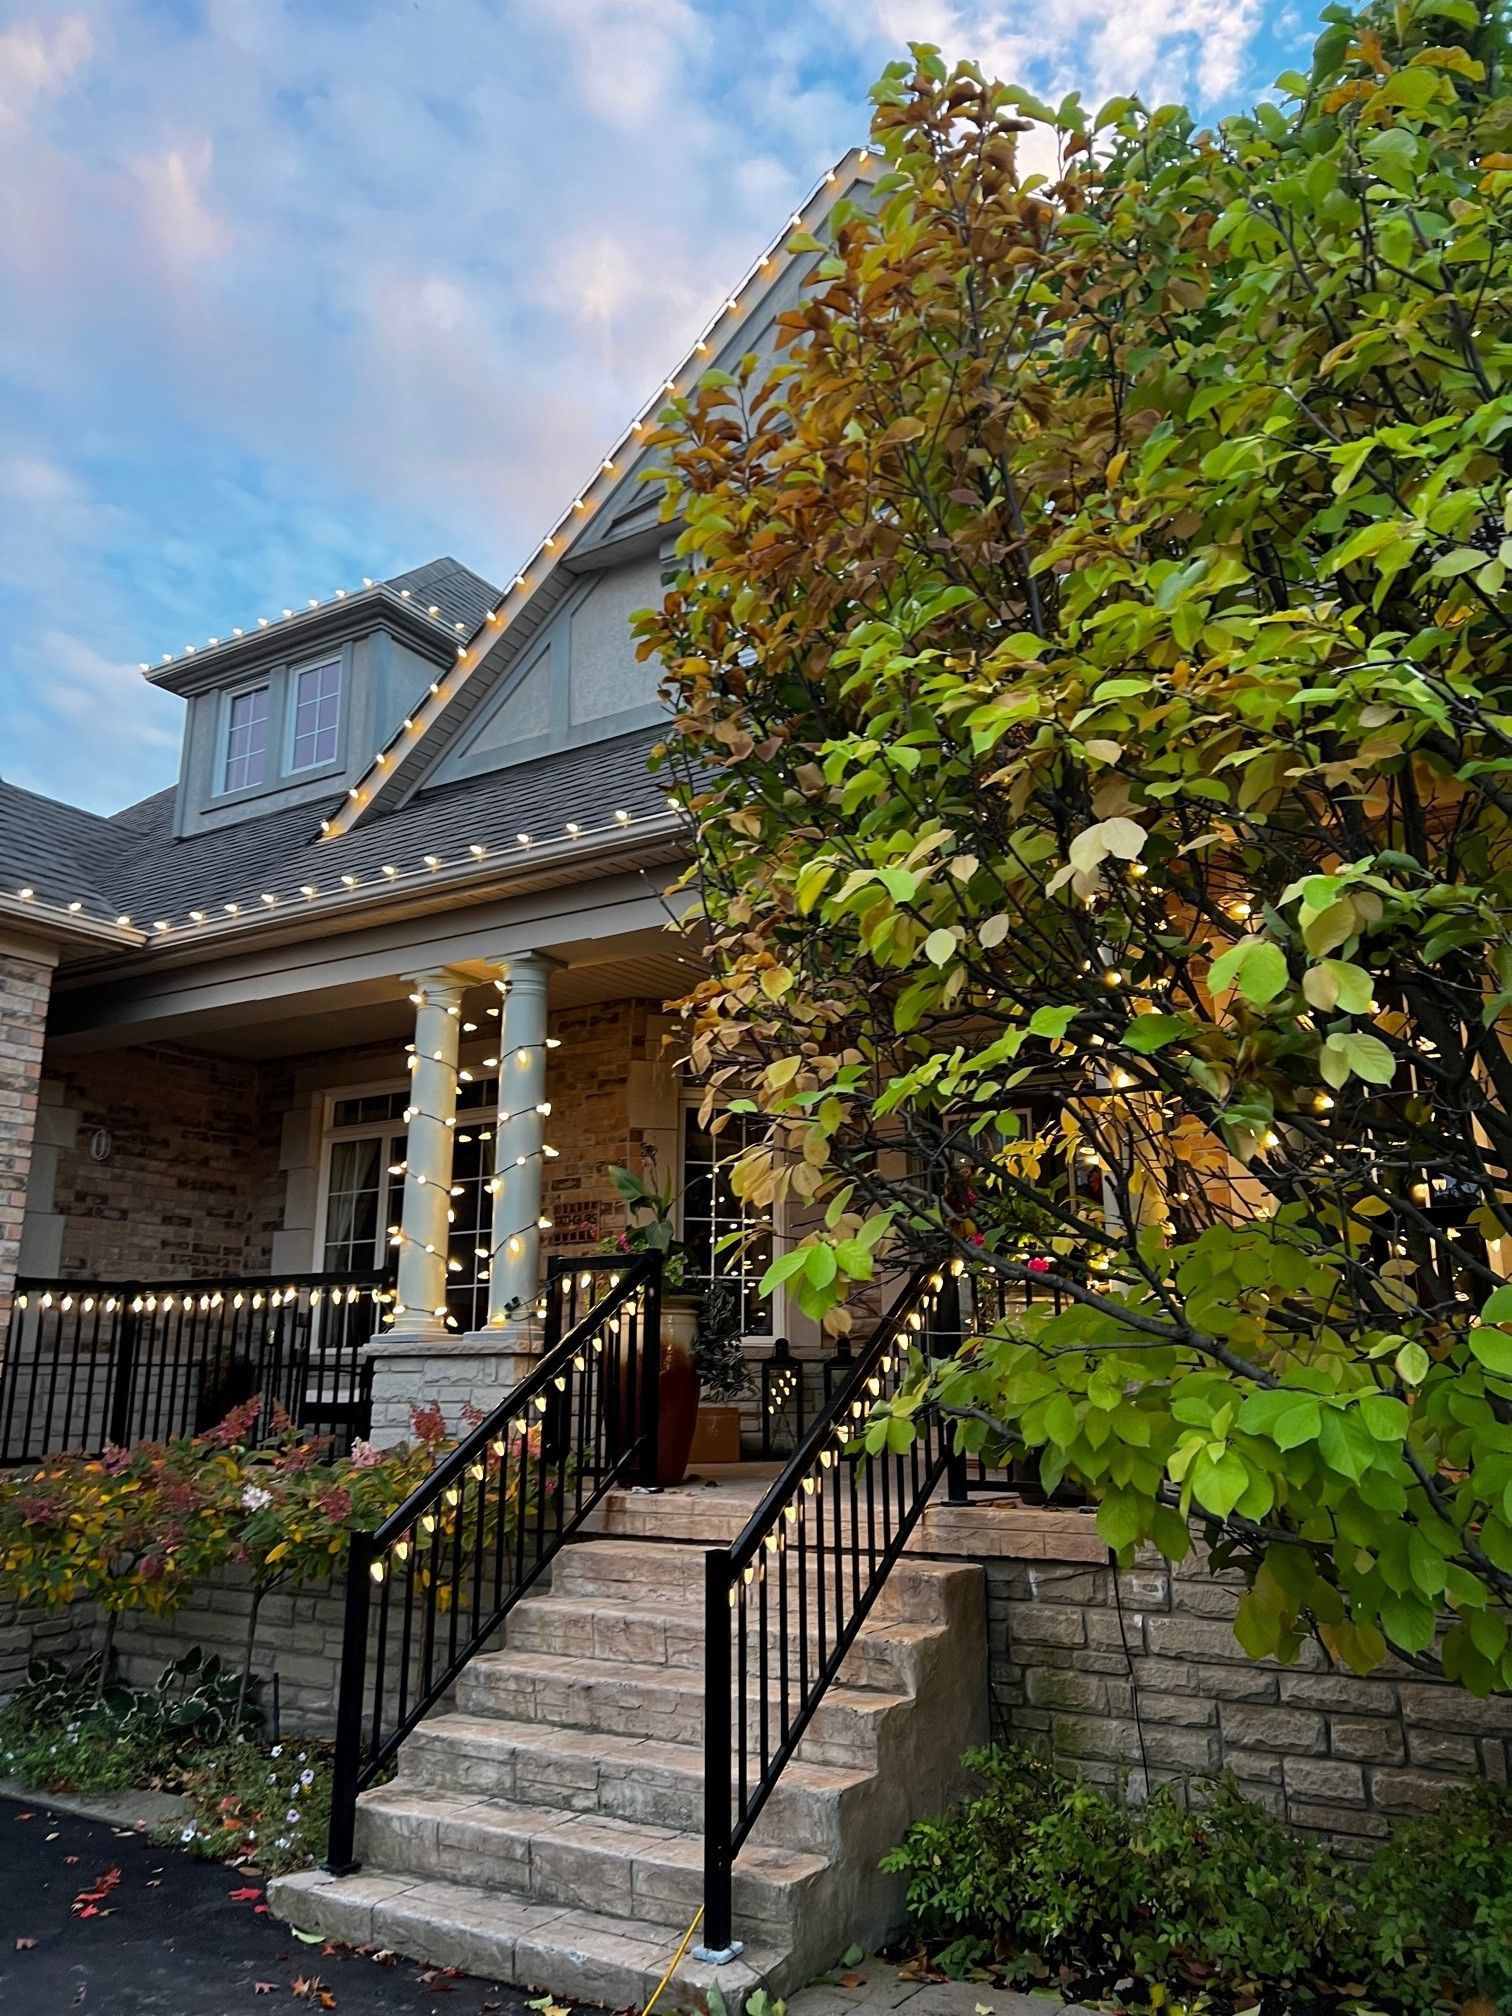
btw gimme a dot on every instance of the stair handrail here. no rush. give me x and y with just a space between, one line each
827 1477
581 1420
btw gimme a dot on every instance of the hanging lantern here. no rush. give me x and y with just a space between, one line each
781 1401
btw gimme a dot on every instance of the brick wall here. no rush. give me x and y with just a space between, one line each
25 985
1145 1672
192 1186
588 1084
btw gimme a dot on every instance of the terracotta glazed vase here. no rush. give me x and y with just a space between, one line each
678 1389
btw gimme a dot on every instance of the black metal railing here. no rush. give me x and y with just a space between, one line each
431 1586
94 1362
991 1299
784 1602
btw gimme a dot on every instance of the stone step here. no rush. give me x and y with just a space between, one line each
576 1955
671 1575
587 1861
625 1777
885 1655
663 1702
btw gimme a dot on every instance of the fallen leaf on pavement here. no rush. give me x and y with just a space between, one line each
264 1987
25 1945
249 1894
305 1938
26 1816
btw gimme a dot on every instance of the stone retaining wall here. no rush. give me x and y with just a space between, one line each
298 1638
1142 1673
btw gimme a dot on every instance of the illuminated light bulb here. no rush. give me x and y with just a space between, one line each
622 818
404 595
198 916
553 1042
433 610
325 827
1113 977
389 870
308 889
381 758
1420 1193
549 543
433 861
288 612
524 839
233 909
573 828
269 898
478 853
350 881
161 924
1322 1102
262 622
1270 1138
28 895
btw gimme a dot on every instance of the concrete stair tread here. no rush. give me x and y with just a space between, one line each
495 1934
648 1753
637 1841
685 1680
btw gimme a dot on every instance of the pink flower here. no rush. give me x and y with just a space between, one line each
364 1455
1039 1265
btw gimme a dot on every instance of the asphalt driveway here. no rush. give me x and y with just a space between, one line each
99 1919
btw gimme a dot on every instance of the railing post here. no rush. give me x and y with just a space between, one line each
123 1370
718 1945
347 1762
650 1377
948 1341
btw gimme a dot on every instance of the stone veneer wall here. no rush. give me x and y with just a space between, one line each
588 1084
1144 1672
298 1638
192 1186
25 986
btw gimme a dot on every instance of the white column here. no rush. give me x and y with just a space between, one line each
425 1224
519 1141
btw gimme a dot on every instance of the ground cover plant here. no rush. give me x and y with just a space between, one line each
1040 1877
1092 666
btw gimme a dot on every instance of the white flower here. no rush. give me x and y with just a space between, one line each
292 1816
276 1751
187 1834
256 1499
307 1777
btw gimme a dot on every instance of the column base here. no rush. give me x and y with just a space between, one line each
413 1368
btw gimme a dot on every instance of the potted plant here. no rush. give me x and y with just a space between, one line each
700 1325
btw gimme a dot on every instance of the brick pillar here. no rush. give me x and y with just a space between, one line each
25 986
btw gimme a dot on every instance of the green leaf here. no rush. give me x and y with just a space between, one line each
1255 966
939 946
1412 1364
1493 1348
1148 1033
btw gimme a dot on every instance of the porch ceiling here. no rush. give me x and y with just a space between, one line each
641 966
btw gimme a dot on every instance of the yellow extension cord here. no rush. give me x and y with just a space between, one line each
676 1961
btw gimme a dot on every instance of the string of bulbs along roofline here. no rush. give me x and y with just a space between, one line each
347 886
430 610
469 655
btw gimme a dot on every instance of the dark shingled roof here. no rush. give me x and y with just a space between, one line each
461 596
132 865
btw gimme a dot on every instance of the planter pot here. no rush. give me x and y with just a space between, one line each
716 1434
678 1388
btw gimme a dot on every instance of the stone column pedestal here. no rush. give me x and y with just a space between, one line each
481 1367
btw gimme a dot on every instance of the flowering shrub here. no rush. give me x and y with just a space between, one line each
136 1529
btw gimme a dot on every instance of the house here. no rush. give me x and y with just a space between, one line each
308 1067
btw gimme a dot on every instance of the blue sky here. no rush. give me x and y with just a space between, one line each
295 291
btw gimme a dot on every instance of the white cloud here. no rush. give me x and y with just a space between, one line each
36 63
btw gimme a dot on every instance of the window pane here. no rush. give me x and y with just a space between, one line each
317 705
712 1211
353 1195
247 740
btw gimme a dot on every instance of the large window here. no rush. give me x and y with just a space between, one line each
317 708
364 1190
246 740
724 1237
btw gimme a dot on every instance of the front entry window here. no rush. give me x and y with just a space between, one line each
712 1213
364 1190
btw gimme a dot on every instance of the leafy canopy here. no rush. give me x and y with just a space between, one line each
1091 663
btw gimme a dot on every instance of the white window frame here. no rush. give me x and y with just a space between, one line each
690 1099
359 1130
229 698
295 673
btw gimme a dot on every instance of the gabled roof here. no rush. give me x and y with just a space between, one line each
401 765
434 605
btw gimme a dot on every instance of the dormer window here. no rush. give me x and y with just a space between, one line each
246 763
317 709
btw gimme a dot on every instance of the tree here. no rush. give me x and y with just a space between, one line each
1094 705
